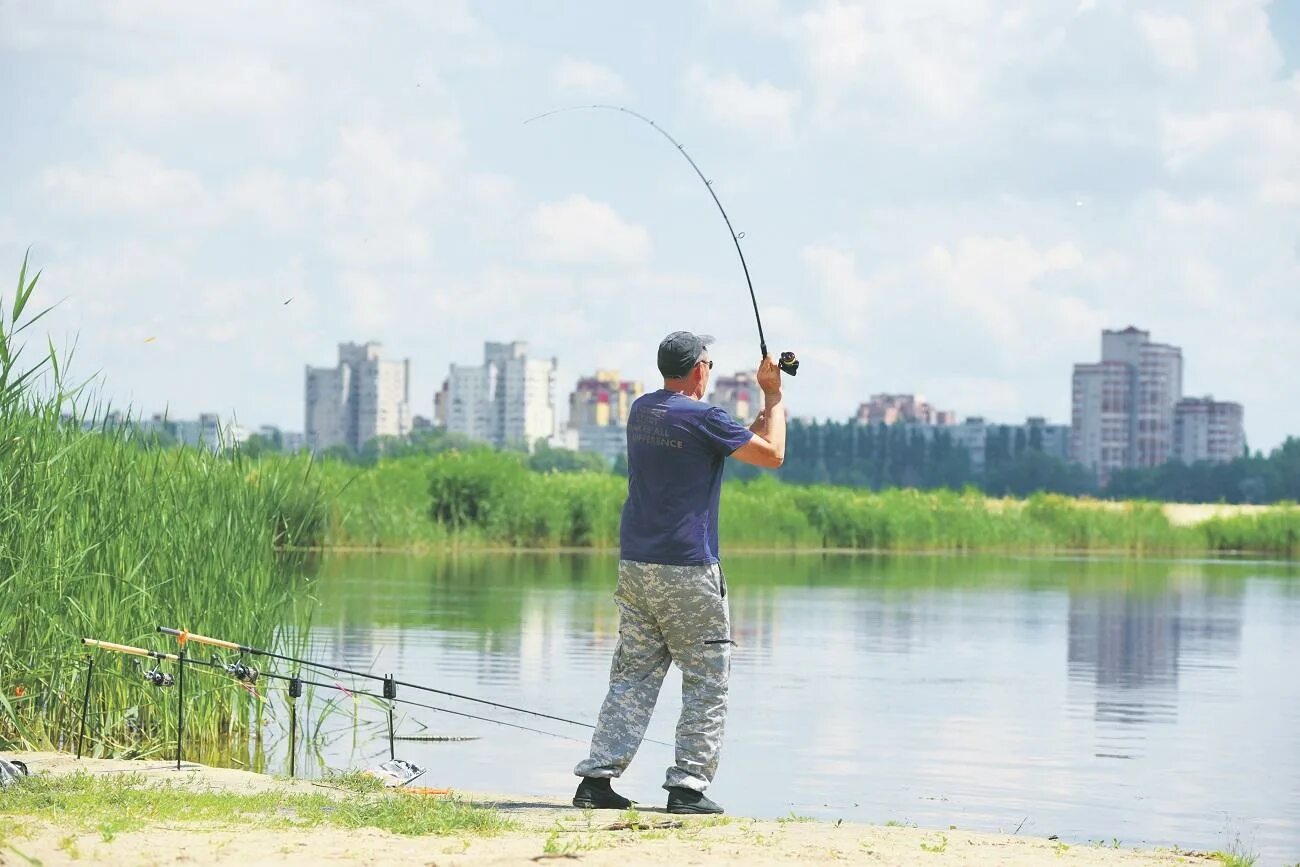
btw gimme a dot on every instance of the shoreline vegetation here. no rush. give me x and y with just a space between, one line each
478 498
100 538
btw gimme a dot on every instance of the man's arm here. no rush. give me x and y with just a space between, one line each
767 447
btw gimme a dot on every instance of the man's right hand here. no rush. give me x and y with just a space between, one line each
769 377
767 447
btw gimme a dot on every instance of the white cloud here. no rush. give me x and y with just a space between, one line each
844 295
370 301
999 400
132 184
762 109
1205 210
931 55
388 172
1001 310
578 230
283 204
386 243
586 79
1171 38
1257 144
1000 282
229 87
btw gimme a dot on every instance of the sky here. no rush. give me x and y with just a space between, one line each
950 197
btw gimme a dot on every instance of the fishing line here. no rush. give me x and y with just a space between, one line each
216 664
788 362
181 634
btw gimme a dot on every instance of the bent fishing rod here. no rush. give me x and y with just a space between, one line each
788 362
390 683
246 674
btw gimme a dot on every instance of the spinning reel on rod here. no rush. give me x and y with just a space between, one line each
238 669
155 675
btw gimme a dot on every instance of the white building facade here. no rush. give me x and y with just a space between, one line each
1206 429
508 401
1123 407
362 398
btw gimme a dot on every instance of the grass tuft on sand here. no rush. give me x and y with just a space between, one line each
120 803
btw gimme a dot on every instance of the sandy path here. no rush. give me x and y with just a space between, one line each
550 833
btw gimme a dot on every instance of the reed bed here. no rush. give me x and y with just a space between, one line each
475 497
483 498
103 538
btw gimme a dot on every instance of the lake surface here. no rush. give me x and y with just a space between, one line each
1150 702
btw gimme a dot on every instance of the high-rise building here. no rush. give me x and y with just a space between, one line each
208 431
739 395
1206 429
362 398
602 400
1123 407
509 400
891 408
972 435
598 410
1052 440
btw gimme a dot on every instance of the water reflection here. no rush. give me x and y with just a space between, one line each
1149 701
1130 642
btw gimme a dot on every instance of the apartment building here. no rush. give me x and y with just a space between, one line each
360 398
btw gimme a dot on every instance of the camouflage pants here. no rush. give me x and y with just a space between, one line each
666 614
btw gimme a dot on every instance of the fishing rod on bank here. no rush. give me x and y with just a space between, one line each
247 676
390 683
788 362
243 674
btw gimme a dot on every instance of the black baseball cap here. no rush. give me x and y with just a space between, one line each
679 351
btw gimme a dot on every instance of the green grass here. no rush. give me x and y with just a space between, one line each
482 498
357 782
102 538
116 804
1236 855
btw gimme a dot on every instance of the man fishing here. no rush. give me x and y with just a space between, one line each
671 595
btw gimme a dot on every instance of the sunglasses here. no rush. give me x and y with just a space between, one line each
709 362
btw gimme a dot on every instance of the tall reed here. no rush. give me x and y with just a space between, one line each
483 498
100 537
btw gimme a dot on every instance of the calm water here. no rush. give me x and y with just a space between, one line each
1155 703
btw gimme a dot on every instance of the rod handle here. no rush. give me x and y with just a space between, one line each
126 648
201 639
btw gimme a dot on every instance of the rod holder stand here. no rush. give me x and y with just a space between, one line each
85 702
180 706
295 692
390 693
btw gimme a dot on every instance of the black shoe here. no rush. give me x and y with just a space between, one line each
594 793
689 801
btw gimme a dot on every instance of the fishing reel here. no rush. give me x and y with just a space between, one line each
239 670
155 676
788 363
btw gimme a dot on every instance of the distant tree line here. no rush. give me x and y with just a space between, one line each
1256 478
885 456
878 456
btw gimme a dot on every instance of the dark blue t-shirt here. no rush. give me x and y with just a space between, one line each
676 447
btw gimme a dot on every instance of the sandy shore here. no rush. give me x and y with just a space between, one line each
548 830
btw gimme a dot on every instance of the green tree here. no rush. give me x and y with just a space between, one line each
546 459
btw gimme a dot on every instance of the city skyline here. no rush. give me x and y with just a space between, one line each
920 212
738 393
